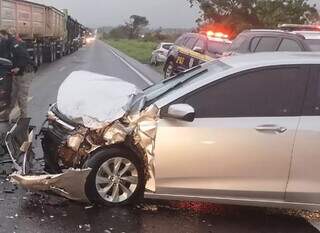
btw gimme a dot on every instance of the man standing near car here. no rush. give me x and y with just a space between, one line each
22 74
23 70
6 88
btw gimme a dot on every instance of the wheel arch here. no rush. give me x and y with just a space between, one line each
123 146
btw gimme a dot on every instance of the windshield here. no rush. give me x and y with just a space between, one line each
314 45
165 87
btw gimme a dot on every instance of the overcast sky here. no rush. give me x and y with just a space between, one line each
164 13
95 13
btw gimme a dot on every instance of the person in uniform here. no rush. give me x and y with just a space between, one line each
23 70
22 74
5 87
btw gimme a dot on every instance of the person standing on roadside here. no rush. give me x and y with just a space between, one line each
6 87
23 70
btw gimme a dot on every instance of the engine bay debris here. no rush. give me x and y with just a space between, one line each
112 113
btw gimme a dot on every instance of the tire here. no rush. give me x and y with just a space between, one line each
169 69
36 56
40 59
104 187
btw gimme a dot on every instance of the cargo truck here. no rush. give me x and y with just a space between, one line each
49 33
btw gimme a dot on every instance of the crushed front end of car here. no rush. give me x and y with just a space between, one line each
98 142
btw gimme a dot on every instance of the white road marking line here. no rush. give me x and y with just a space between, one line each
132 68
62 68
30 98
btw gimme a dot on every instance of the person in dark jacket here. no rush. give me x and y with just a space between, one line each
23 70
6 87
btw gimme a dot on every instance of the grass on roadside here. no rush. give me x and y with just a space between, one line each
137 49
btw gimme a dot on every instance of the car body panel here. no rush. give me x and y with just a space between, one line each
224 157
230 159
303 185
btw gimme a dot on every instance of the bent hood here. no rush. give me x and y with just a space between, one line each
96 100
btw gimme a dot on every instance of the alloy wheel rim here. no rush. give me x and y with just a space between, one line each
169 70
117 180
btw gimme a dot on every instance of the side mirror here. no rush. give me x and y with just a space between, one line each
182 112
198 50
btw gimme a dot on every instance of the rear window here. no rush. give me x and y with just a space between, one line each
314 45
167 46
218 47
191 42
180 40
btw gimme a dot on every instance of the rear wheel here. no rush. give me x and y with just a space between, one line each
116 178
169 69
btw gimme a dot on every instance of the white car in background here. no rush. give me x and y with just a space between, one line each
159 55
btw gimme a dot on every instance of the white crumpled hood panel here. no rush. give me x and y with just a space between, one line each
96 100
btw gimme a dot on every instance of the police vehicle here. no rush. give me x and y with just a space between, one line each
192 49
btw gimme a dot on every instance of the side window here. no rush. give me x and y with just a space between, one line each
200 43
288 45
312 103
267 44
254 43
269 92
191 42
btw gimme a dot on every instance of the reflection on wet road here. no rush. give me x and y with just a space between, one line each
43 213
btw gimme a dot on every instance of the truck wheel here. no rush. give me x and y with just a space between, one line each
36 56
40 56
116 178
54 53
169 69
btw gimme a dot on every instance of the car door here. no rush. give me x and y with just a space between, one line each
304 181
183 59
240 143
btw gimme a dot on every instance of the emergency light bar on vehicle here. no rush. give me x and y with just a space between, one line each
216 36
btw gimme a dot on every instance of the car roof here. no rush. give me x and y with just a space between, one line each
303 34
273 32
271 58
309 35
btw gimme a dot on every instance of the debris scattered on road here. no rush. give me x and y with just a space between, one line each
85 227
148 207
88 207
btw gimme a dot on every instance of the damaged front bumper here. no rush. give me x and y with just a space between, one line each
67 148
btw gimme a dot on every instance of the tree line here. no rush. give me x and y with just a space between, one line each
238 15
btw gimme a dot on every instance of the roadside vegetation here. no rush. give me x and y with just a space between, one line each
138 49
133 39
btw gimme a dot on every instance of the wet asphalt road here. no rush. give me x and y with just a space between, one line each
25 212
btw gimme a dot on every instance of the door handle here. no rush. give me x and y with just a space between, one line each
271 128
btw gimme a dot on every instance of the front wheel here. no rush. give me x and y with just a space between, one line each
116 178
169 69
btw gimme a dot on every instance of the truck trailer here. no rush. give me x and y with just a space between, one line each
49 33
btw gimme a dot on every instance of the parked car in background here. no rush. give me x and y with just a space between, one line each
159 55
192 49
299 27
252 41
